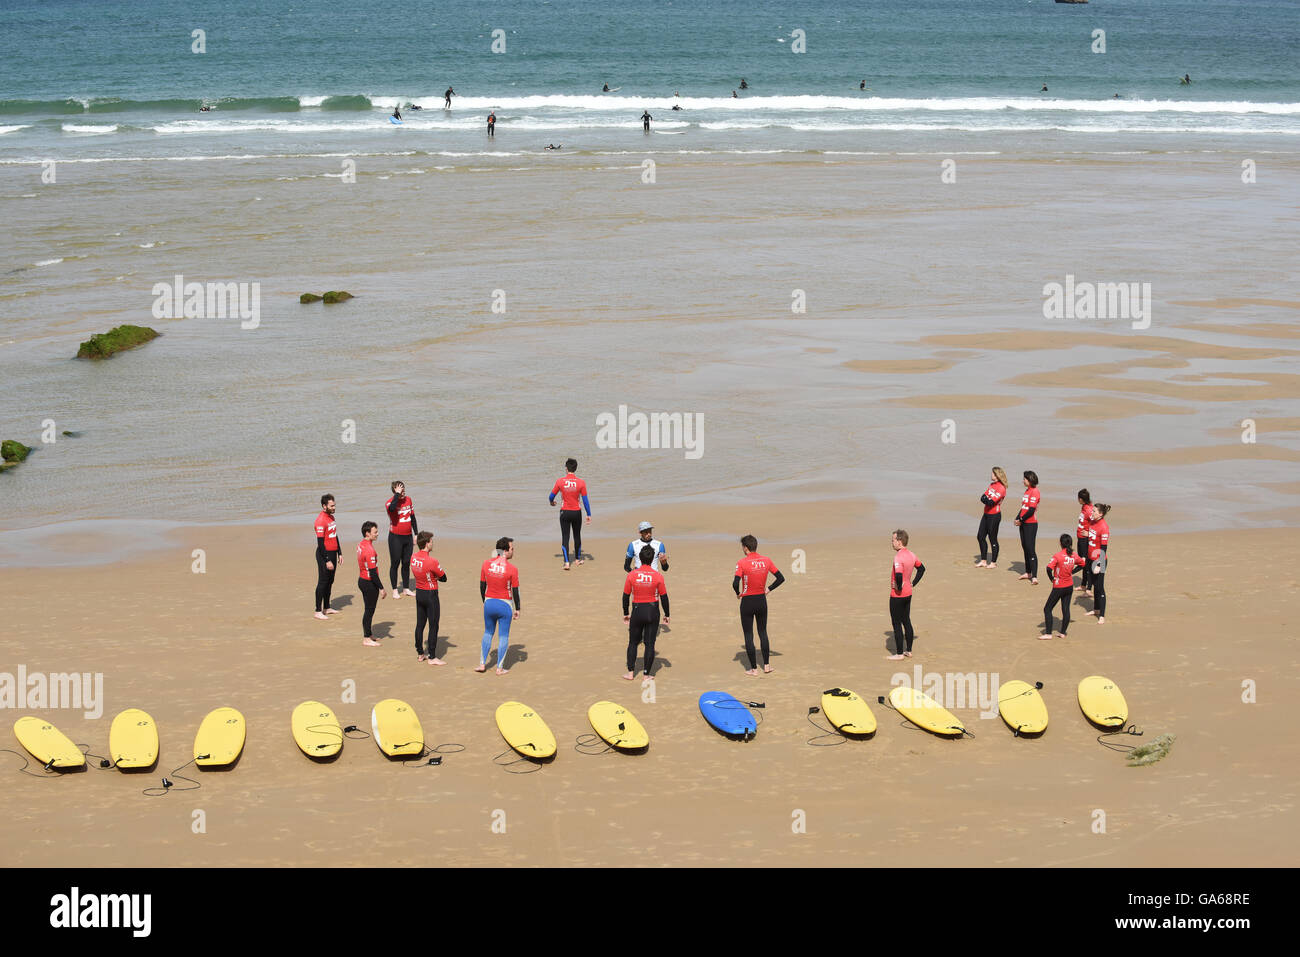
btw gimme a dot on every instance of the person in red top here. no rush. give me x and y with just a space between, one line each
1082 535
372 589
644 587
402 527
327 555
572 491
498 582
1027 522
750 585
992 517
427 574
901 584
1097 560
1062 568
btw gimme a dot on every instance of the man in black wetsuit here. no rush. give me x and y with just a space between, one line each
645 120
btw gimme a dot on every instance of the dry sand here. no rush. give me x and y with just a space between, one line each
1188 625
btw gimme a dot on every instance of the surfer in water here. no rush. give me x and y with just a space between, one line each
414 106
677 107
645 120
744 84
1186 80
1044 89
552 146
605 88
397 113
492 124
862 85
205 109
446 98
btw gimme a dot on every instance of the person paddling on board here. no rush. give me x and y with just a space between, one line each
498 582
749 582
1186 80
414 106
605 89
677 107
901 584
205 109
645 120
446 98
645 589
571 490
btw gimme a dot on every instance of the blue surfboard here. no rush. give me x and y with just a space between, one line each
395 121
727 714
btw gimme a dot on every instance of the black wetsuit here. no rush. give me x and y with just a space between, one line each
643 628
370 588
753 610
324 576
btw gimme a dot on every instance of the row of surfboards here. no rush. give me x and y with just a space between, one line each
133 736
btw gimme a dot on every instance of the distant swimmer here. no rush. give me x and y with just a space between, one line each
734 96
1044 89
427 574
372 589
414 106
1186 80
397 113
677 106
743 84
1061 569
498 583
492 124
992 518
1027 522
749 582
901 583
645 120
205 109
645 589
327 555
402 527
862 85
571 490
552 146
446 98
1099 542
605 88
645 536
1116 96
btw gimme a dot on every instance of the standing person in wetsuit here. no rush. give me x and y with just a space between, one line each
397 113
427 573
372 589
1061 569
492 124
749 582
992 517
644 588
446 98
901 583
401 525
645 536
498 582
645 120
571 490
327 555
1082 535
1027 522
1097 555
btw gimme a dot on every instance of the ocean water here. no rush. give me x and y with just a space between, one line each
674 296
89 79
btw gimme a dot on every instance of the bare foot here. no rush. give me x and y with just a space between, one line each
370 643
1023 577
1033 581
331 611
1101 619
421 657
752 672
767 669
1090 612
647 680
1044 637
629 676
1060 634
907 654
408 592
981 564
320 615
580 561
993 564
566 566
502 671
481 668
893 657
436 661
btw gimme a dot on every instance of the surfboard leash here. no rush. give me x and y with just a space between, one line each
170 786
103 761
507 764
816 741
432 756
355 733
1132 730
47 772
592 740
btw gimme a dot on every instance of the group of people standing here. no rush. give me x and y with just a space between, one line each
1087 552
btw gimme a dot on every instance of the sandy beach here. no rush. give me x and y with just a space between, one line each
1185 629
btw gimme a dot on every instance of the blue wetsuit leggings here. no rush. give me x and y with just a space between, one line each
497 613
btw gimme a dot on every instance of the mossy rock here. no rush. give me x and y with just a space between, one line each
13 452
336 296
307 297
105 344
72 435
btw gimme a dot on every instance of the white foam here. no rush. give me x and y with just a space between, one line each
78 128
12 129
49 262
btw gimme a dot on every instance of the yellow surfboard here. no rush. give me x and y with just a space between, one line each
316 730
1102 702
1022 707
524 730
924 712
220 738
133 740
847 712
396 729
616 725
47 743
